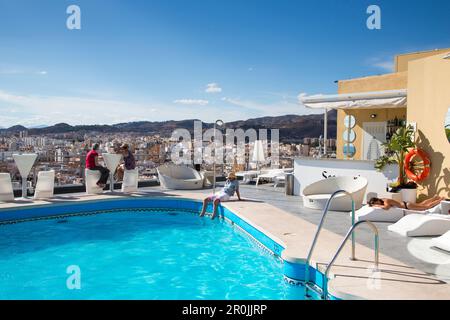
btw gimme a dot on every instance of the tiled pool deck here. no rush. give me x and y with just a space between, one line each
409 269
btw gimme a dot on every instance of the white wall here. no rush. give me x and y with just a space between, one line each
307 171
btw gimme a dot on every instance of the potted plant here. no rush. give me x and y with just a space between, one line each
447 132
395 151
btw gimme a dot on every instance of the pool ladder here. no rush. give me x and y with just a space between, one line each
350 232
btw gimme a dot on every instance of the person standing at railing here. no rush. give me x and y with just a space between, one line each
129 162
92 164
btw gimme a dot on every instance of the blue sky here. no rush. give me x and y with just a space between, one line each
154 59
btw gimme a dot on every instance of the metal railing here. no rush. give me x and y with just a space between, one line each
319 228
350 231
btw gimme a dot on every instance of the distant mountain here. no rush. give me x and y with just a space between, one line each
292 128
15 129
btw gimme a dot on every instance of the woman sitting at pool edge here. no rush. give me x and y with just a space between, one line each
231 187
386 204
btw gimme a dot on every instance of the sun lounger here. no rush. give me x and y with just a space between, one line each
269 175
130 181
6 190
45 185
281 179
247 176
208 178
376 214
445 207
91 178
442 242
421 225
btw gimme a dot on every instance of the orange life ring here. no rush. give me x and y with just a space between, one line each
411 168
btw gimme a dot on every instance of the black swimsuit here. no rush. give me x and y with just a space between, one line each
406 204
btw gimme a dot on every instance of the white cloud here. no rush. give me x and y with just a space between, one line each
21 72
301 95
31 110
35 110
240 103
386 63
276 108
192 102
213 88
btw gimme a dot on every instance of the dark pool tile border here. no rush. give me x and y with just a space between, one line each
91 213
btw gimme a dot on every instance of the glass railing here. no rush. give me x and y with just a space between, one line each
69 170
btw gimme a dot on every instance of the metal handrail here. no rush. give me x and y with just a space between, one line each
319 228
350 231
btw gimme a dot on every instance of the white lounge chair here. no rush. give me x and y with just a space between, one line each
281 179
179 177
445 207
91 179
272 174
208 178
247 176
375 214
316 195
421 225
442 242
6 189
45 185
130 181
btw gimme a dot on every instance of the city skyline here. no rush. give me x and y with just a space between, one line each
159 60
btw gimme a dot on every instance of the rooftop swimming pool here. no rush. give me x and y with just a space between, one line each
136 254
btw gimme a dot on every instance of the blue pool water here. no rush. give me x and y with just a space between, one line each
137 255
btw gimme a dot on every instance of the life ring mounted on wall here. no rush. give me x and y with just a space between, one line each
417 170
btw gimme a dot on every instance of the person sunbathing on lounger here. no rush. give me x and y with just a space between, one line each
231 187
389 203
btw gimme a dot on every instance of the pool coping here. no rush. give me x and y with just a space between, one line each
348 279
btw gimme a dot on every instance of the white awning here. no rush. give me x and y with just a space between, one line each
364 100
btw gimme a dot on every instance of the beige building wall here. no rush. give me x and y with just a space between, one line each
428 102
391 81
401 61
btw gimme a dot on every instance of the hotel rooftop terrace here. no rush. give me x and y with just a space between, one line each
409 268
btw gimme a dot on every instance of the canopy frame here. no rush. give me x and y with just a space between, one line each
351 101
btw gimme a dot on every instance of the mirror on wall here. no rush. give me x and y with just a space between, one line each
349 121
447 124
349 136
349 150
